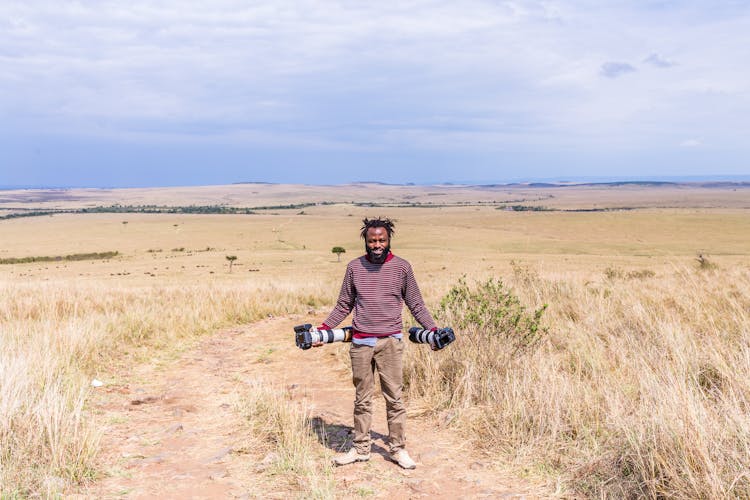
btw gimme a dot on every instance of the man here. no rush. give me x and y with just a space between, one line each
376 286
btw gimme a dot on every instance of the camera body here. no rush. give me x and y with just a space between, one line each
437 339
306 335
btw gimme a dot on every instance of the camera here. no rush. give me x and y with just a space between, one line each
438 339
306 335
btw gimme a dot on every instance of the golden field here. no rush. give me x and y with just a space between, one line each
638 388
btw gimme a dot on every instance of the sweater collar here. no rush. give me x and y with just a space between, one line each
387 258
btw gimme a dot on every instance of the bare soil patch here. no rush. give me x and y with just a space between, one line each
173 431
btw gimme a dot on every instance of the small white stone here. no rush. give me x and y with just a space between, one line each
96 383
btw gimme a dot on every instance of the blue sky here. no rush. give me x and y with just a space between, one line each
139 93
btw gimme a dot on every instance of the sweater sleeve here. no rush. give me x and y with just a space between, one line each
414 301
345 302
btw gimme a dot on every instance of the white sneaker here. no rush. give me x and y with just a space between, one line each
350 457
402 458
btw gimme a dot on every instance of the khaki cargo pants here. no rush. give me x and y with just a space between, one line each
386 356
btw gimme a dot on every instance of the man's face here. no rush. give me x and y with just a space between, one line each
377 243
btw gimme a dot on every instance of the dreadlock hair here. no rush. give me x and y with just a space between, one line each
388 224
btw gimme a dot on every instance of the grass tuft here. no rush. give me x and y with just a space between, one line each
284 432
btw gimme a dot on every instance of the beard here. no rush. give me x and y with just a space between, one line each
375 258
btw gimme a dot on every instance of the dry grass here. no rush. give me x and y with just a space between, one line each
639 389
283 431
56 337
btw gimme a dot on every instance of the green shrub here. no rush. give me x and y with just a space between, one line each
492 312
492 330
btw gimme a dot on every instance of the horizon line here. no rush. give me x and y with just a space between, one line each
532 182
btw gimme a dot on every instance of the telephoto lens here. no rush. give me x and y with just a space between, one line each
306 335
438 339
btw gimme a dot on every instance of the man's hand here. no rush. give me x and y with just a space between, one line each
321 327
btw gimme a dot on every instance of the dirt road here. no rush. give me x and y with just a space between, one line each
173 430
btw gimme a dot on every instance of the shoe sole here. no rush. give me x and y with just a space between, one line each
403 466
338 464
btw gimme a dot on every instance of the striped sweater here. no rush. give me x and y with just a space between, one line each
376 293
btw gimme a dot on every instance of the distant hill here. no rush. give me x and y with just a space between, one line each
702 184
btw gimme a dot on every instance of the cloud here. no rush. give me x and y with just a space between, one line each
332 73
615 69
692 143
656 60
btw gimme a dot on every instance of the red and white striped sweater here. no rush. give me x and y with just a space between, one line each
376 293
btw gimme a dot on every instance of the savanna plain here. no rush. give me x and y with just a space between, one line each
603 332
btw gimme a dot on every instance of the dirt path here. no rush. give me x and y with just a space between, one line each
174 431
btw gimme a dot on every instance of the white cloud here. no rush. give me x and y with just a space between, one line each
691 143
658 61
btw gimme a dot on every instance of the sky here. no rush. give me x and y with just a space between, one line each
142 93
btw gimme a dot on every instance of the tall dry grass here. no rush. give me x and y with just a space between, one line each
283 432
56 337
640 388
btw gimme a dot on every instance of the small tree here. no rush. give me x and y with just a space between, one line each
338 251
231 259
